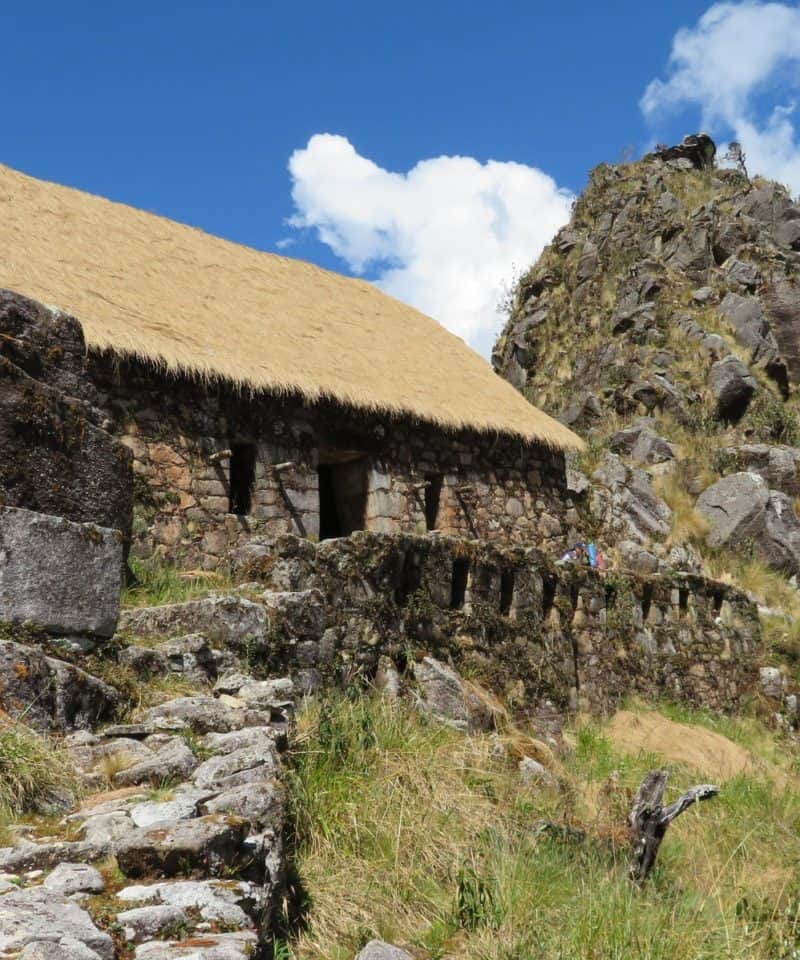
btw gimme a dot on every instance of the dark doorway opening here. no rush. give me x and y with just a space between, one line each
647 601
506 591
242 477
549 584
342 493
458 590
433 496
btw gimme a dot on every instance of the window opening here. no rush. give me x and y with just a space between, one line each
242 477
683 601
410 578
549 584
433 496
647 601
458 590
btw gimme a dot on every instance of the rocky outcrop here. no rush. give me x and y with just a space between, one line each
742 510
55 454
777 465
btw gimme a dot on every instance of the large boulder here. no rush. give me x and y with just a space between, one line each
732 386
61 576
781 295
742 510
735 508
642 443
626 499
778 465
780 545
698 149
445 696
752 329
47 344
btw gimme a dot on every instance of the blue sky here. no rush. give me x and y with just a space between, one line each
195 110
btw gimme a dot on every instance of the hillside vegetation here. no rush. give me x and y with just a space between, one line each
411 832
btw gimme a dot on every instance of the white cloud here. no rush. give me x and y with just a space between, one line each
445 236
738 57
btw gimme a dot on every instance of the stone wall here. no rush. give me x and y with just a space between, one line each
185 436
547 638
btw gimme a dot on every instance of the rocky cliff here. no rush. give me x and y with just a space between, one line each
663 322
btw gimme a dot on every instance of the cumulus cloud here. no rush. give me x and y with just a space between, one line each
738 58
444 236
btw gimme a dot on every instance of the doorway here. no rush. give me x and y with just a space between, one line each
343 481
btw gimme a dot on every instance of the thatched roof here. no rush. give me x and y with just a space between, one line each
148 287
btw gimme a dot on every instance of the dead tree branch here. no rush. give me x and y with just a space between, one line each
649 818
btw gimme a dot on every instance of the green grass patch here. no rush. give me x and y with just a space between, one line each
158 582
411 832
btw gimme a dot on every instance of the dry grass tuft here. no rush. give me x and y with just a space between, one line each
33 769
688 526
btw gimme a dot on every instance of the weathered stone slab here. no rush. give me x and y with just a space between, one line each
238 767
66 948
144 923
175 761
70 878
212 946
37 914
232 622
206 845
262 804
44 856
202 714
61 576
231 903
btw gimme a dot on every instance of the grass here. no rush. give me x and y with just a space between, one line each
413 833
688 526
34 770
158 582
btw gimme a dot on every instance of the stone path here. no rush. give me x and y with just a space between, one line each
191 869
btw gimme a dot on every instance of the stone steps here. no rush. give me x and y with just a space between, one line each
197 872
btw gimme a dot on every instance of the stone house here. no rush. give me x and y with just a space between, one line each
260 394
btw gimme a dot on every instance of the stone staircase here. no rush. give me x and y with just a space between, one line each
181 854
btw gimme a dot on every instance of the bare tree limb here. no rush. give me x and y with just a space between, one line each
649 818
